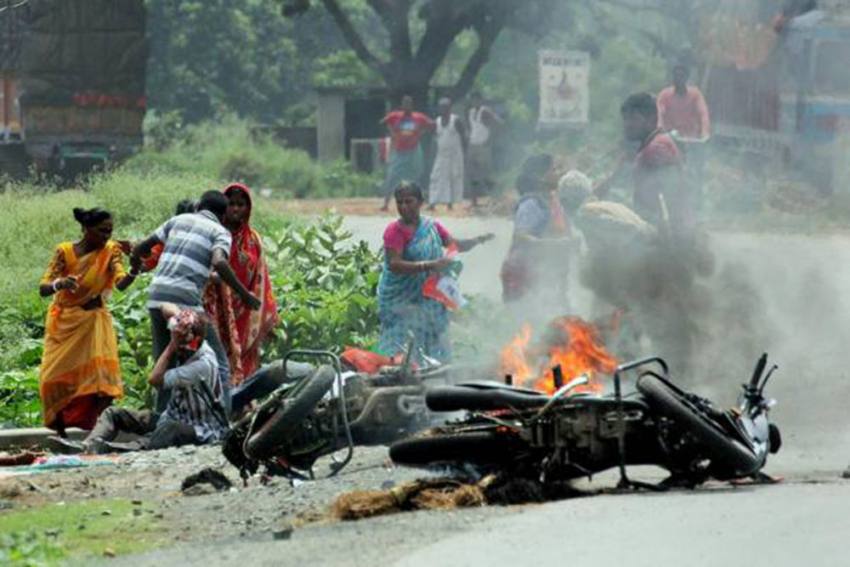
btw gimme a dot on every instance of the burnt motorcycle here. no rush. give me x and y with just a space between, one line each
563 436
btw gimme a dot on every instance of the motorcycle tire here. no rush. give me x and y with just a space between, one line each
286 421
476 447
727 454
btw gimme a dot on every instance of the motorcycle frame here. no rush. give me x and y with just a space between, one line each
341 402
625 482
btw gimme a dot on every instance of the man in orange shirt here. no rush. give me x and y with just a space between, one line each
682 108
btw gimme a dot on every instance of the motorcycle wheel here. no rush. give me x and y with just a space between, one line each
726 453
476 447
286 421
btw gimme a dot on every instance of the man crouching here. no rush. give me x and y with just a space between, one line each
194 414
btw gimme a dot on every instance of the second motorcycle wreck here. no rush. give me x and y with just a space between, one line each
565 409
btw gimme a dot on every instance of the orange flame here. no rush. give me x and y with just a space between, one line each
569 342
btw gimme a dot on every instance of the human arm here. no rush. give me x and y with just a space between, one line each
122 278
465 245
222 267
398 265
157 377
56 278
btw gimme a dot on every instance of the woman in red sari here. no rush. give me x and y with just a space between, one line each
243 330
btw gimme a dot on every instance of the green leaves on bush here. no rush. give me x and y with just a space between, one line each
326 287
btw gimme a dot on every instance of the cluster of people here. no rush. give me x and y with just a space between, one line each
463 156
211 307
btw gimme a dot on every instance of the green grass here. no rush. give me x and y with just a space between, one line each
56 533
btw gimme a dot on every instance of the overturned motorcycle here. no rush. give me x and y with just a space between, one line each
321 410
562 437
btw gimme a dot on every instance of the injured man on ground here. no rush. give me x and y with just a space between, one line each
194 414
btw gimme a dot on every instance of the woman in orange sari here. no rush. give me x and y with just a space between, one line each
80 375
241 329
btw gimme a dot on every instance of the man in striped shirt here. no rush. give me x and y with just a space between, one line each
194 244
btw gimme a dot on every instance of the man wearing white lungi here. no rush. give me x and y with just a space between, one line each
447 176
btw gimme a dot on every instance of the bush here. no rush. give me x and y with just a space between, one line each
231 149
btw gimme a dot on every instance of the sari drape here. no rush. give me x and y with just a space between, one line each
242 330
80 360
402 309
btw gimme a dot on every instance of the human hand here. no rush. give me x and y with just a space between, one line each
440 264
126 246
70 283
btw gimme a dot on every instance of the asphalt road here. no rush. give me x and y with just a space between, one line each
799 285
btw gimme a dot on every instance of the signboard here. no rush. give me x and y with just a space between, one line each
564 88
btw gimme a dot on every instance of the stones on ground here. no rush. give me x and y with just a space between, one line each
109 552
106 513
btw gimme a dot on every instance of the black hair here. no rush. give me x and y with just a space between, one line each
91 217
408 187
640 103
534 169
186 206
215 202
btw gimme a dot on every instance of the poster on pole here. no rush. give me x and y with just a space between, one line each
564 88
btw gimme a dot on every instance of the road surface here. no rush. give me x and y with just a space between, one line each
800 285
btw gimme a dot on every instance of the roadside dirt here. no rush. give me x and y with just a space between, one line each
155 477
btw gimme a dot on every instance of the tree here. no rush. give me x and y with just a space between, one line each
418 35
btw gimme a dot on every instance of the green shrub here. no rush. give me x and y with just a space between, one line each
231 149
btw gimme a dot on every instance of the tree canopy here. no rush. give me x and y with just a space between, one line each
415 37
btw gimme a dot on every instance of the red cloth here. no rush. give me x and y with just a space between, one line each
83 411
687 114
398 235
406 129
364 360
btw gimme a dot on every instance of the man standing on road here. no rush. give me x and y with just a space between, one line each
482 120
660 195
193 244
682 107
447 176
405 162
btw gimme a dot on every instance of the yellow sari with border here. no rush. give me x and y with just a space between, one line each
80 347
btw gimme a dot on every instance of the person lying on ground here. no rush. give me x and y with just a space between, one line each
194 414
80 374
242 331
414 249
192 243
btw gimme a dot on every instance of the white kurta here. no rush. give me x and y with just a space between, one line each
447 176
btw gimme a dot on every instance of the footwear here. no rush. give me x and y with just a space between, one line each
65 446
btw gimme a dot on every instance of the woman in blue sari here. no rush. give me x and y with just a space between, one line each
413 249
